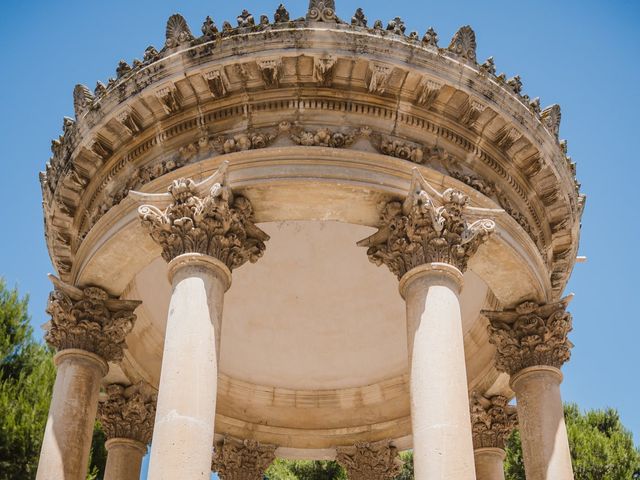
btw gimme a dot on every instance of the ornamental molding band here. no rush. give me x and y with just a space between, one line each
128 412
88 319
427 227
246 460
204 218
370 461
492 421
531 335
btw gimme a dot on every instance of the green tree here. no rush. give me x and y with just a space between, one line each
27 375
601 448
26 379
305 469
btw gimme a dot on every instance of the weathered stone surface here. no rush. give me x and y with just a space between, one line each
89 319
246 460
370 461
531 334
419 231
492 421
128 412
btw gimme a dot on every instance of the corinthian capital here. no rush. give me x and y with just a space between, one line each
531 335
492 420
88 319
247 460
128 412
427 227
370 461
204 218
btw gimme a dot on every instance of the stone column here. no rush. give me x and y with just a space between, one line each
88 327
427 241
127 420
532 344
492 421
370 461
246 460
205 232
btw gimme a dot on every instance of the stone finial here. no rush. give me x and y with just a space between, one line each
489 66
370 461
247 460
212 222
245 19
463 43
82 100
209 28
430 38
419 231
530 335
322 11
397 26
89 319
177 32
359 19
515 83
128 412
492 421
281 15
551 117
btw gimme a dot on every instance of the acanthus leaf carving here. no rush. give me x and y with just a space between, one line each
506 137
463 43
130 121
428 92
243 141
271 71
246 460
492 421
215 223
367 461
217 82
177 32
128 412
419 231
322 138
323 69
531 334
470 113
89 319
551 117
379 75
169 98
399 149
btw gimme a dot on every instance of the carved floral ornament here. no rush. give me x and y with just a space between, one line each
427 227
128 412
531 335
246 460
89 319
214 222
367 461
492 421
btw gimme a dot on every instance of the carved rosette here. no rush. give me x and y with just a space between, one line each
370 461
247 460
492 421
218 223
128 413
418 231
531 335
89 319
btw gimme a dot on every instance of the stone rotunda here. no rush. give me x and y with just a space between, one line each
269 168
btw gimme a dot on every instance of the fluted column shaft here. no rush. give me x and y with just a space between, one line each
442 441
545 445
68 433
184 426
124 459
489 463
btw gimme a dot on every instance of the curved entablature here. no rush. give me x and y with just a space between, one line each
314 82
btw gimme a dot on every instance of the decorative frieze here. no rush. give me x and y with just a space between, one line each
323 138
128 412
399 149
89 319
246 460
530 335
427 227
370 461
492 421
243 141
215 223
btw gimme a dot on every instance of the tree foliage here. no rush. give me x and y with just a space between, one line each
601 448
306 469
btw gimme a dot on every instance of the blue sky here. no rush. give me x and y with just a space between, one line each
580 54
